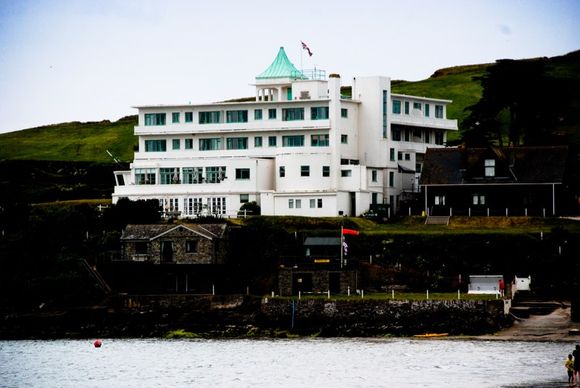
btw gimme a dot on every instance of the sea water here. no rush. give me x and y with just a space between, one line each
281 363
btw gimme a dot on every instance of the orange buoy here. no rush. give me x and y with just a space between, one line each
98 343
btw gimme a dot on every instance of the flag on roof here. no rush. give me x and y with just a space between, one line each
350 231
345 247
305 47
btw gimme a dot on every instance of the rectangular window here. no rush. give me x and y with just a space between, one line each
272 141
210 144
272 113
319 113
397 107
175 117
209 117
440 200
399 156
374 198
312 203
154 118
427 110
168 176
344 139
191 246
292 114
385 101
175 144
304 170
319 140
188 144
192 175
216 205
478 199
392 154
407 134
237 143
325 170
242 173
344 113
257 114
193 206
407 156
215 174
282 171
427 136
417 106
489 167
439 111
189 117
374 175
391 179
290 204
396 134
244 198
155 145
298 203
144 176
345 173
439 137
319 202
257 141
237 116
406 107
293 141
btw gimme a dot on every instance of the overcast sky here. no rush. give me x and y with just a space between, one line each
66 60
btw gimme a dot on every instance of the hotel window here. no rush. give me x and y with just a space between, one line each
216 205
154 118
489 167
192 175
272 113
272 141
244 198
191 246
282 171
417 105
325 170
478 199
293 141
290 204
345 173
237 143
189 117
215 174
344 113
374 198
439 111
427 136
374 175
439 137
396 134
242 173
407 156
193 206
155 145
175 144
392 154
406 107
298 203
319 113
144 176
210 144
304 170
237 116
312 203
168 176
257 141
319 140
188 144
292 114
257 114
440 200
427 110
319 202
385 101
175 117
399 156
407 134
209 117
391 179
397 107
344 139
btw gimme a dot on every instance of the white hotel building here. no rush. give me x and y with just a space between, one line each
300 148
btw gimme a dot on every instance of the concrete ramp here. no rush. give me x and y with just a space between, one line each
437 220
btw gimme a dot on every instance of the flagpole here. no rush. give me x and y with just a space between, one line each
341 247
301 51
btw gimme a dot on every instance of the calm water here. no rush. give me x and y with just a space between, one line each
279 363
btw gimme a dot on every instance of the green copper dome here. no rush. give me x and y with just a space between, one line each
281 68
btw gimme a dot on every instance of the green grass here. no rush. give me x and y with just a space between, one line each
399 296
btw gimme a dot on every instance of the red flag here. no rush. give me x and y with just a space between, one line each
305 47
350 231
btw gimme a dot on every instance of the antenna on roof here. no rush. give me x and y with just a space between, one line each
112 157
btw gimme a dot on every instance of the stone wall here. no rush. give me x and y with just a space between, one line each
320 280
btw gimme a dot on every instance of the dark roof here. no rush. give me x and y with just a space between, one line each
320 241
452 166
153 231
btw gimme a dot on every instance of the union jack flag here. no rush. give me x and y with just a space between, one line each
305 47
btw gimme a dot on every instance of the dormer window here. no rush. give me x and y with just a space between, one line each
489 167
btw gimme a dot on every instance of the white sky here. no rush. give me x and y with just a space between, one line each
69 60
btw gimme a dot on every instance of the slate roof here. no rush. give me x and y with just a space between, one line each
534 165
281 68
153 231
322 241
